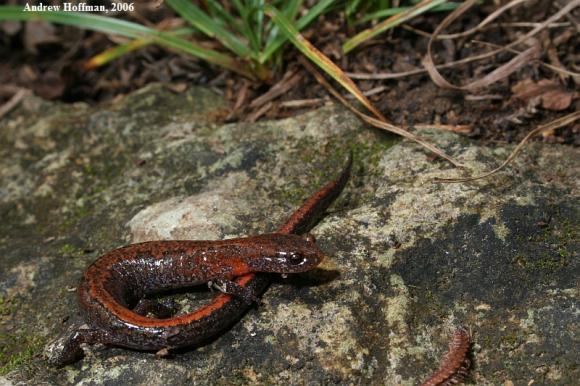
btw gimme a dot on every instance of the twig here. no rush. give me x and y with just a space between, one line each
253 117
485 97
288 81
460 129
570 17
299 103
13 102
240 99
242 95
374 91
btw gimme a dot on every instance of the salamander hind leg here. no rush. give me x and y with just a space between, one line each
66 349
163 353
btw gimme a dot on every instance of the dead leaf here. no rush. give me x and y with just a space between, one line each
557 100
548 93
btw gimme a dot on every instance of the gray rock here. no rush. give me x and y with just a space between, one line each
409 259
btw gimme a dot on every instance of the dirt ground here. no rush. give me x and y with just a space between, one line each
50 60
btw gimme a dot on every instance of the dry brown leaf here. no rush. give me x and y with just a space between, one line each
549 93
557 100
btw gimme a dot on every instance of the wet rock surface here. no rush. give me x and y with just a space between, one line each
408 259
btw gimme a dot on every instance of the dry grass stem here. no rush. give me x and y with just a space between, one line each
376 122
391 75
499 72
491 17
557 123
559 70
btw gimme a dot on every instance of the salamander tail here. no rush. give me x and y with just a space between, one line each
305 217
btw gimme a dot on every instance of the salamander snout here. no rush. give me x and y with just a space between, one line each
288 254
309 238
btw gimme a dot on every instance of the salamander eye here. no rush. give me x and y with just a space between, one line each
295 259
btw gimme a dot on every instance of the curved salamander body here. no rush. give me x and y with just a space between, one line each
112 288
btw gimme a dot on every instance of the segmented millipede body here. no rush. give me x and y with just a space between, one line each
455 363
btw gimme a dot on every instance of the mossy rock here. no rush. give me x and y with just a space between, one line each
408 258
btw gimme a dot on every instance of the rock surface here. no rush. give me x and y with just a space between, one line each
408 259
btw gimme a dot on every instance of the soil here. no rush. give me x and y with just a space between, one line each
50 60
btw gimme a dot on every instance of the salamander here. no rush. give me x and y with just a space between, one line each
114 288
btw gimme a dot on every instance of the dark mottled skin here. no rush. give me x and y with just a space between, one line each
112 287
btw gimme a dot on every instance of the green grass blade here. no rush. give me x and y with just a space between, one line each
318 57
114 26
259 22
391 22
351 7
202 21
116 52
290 9
218 12
205 54
312 14
249 26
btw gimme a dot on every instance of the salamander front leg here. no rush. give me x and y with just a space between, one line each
233 288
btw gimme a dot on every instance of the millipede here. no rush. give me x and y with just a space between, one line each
455 364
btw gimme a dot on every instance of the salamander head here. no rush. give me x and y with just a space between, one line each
287 254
